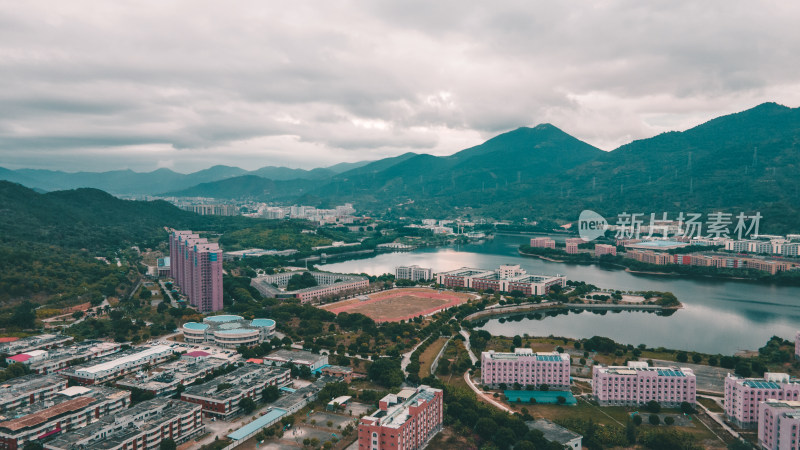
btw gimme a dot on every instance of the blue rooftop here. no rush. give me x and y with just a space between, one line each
548 358
660 244
761 384
266 323
257 424
223 318
195 326
670 373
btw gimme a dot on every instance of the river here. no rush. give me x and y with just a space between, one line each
719 316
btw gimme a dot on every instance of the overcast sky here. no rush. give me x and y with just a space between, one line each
186 85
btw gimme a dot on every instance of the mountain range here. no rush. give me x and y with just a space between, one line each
743 162
128 182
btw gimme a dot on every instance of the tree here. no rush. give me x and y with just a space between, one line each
653 407
77 315
561 399
637 420
167 444
544 387
485 427
653 419
517 341
630 431
739 445
687 408
386 372
696 358
270 393
669 420
247 405
682 357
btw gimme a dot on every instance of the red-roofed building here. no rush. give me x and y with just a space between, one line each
197 354
256 361
4 340
21 358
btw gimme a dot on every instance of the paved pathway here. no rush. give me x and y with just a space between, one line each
407 356
484 396
466 345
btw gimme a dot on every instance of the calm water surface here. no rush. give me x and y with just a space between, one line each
719 316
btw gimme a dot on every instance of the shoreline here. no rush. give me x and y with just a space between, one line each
499 311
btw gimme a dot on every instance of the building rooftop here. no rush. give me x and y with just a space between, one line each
112 431
272 415
526 353
553 432
239 380
14 388
299 356
115 362
399 405
63 402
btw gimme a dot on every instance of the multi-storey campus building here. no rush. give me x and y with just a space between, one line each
29 389
298 358
525 367
117 365
229 331
164 379
406 420
142 426
543 242
742 395
66 410
12 345
196 266
53 360
637 384
507 278
328 284
220 397
414 273
779 425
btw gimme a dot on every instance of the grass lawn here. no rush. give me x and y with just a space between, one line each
426 358
710 404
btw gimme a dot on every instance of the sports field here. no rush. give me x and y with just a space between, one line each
400 304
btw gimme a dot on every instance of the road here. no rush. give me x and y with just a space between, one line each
469 349
407 356
169 294
484 396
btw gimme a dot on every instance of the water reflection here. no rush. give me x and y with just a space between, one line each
718 316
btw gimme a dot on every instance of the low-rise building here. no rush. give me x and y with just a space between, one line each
605 249
526 367
299 358
67 410
13 346
406 420
572 248
543 242
637 384
57 359
742 395
556 433
142 426
328 284
507 278
220 397
778 424
29 389
164 380
120 364
229 331
345 373
414 273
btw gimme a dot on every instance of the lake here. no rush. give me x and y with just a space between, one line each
719 316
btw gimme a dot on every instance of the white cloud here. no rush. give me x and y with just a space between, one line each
99 86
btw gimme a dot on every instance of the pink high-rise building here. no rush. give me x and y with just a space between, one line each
778 425
196 266
525 367
572 248
797 345
637 384
543 242
576 241
404 421
605 249
742 395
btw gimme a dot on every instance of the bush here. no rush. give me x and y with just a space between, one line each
653 407
669 420
637 420
653 419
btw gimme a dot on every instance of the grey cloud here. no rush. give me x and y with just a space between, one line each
201 83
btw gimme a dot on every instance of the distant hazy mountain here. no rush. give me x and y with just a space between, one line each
128 182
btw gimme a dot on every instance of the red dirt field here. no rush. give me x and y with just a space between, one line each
400 304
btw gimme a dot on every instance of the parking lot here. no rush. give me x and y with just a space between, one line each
709 379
